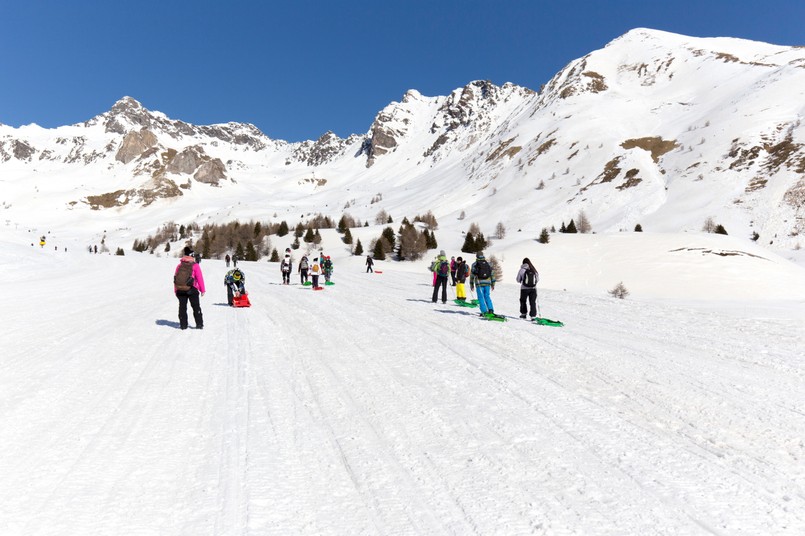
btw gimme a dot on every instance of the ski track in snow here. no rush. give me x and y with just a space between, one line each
366 409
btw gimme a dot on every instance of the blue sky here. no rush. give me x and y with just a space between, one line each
299 68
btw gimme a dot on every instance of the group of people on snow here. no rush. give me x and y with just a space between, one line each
482 281
188 284
309 271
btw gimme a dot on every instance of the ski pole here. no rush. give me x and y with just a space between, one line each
539 313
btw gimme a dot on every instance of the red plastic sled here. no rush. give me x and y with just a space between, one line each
378 271
241 301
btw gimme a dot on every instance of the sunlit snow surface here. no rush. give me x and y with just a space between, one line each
367 409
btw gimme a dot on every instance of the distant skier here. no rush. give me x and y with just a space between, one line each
369 264
227 259
482 278
528 277
235 261
285 267
188 284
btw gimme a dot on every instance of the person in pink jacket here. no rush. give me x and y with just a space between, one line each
188 284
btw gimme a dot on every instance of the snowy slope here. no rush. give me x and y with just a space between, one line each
366 409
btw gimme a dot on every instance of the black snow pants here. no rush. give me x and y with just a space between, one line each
191 295
440 282
529 295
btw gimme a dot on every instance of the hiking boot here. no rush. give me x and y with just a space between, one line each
522 316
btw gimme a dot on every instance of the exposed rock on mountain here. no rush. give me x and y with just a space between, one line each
324 150
655 128
135 143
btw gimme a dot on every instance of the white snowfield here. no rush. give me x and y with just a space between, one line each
365 409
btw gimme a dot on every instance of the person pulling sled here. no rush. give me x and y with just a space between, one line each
235 283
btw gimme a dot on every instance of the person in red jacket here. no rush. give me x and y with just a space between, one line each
188 284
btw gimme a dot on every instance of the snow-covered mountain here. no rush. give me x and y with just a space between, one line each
656 128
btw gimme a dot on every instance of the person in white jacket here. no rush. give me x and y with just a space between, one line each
528 277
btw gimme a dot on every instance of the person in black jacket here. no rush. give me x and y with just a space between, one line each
528 277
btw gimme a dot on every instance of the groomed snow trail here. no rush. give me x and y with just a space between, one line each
366 409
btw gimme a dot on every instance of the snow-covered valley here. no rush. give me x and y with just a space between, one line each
367 409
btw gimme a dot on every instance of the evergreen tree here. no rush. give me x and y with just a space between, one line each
316 237
379 254
257 229
275 256
251 253
720 229
433 243
308 236
283 229
347 236
480 243
342 224
544 237
469 244
388 234
563 229
571 227
638 228
167 247
239 250
358 248
299 231
295 244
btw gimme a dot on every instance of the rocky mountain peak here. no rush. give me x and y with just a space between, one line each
127 114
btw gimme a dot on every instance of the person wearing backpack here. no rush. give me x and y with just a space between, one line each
285 267
528 277
462 271
188 284
482 278
304 266
441 268
315 270
327 268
